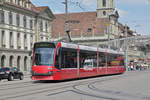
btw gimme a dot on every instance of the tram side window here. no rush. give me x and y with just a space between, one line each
88 58
111 58
122 60
108 59
69 58
102 59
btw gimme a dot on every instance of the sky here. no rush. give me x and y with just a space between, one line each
134 13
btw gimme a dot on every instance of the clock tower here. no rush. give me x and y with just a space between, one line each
104 8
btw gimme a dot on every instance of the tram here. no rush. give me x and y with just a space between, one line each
61 61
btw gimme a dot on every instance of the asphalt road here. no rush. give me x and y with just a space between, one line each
133 85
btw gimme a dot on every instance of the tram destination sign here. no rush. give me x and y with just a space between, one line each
44 45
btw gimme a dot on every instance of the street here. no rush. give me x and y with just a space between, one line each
132 85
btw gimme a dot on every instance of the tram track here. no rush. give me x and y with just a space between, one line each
26 84
27 91
39 88
107 94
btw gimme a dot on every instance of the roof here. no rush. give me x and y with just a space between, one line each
39 9
33 7
85 23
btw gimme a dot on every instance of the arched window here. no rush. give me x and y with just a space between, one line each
11 61
25 63
3 61
18 62
104 3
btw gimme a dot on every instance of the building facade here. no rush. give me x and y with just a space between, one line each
21 24
89 27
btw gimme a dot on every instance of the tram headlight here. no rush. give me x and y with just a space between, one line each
50 68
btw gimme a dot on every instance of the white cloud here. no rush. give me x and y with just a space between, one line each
90 4
122 13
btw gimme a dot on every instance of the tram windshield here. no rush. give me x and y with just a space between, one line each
43 54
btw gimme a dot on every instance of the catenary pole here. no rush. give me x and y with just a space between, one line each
67 21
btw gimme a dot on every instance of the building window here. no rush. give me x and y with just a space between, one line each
41 25
24 21
10 18
104 3
31 24
15 1
19 2
11 40
104 13
2 16
11 1
31 41
18 62
46 27
18 41
25 64
18 19
3 61
25 41
11 61
3 39
89 30
25 4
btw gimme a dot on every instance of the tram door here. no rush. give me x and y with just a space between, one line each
69 63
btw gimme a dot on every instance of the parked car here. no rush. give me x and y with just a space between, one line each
11 73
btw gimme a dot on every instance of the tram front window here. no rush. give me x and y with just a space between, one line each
43 56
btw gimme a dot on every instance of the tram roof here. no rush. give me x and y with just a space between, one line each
83 47
88 48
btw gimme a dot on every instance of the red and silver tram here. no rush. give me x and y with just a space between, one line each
61 61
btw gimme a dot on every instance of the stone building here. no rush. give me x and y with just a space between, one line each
22 24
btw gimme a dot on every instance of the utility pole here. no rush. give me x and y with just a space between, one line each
126 46
67 21
108 30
